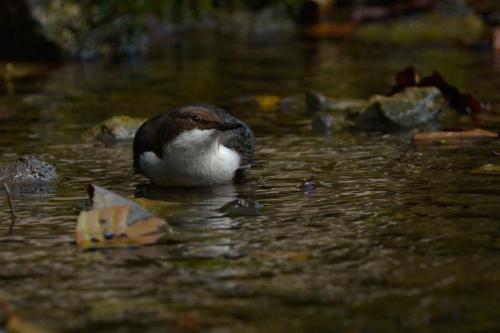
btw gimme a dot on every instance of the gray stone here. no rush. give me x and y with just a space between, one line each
114 129
408 109
323 123
317 102
27 169
291 103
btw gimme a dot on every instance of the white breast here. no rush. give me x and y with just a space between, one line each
194 158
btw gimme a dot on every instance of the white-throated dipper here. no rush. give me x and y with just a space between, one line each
195 145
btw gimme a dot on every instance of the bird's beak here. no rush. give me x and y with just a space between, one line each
228 125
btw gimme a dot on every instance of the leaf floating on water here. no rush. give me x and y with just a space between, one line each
267 102
487 169
454 137
114 221
15 323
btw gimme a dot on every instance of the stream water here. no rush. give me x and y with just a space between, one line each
394 237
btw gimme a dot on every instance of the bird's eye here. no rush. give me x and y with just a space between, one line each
196 118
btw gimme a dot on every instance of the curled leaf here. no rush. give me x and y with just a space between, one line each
462 103
408 77
114 221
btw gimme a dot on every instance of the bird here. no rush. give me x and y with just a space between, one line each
192 146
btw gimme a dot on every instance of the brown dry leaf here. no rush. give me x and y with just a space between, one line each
448 137
114 221
15 323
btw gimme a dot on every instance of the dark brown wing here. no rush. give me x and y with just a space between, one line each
241 139
146 139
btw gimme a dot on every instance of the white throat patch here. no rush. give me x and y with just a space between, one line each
193 158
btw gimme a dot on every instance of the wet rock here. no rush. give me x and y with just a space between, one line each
408 109
242 207
308 185
291 103
487 169
115 129
87 30
323 123
317 102
326 123
27 169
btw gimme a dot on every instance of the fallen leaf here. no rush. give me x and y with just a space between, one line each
15 323
408 77
487 169
267 101
446 137
114 221
462 103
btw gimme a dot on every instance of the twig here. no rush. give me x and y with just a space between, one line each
9 200
495 153
11 205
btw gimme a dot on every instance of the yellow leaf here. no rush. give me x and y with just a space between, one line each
115 221
267 101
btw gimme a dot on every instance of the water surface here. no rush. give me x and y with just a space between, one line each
394 237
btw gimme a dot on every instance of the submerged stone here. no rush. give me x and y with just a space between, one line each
114 129
408 109
291 103
317 102
323 123
242 207
27 169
